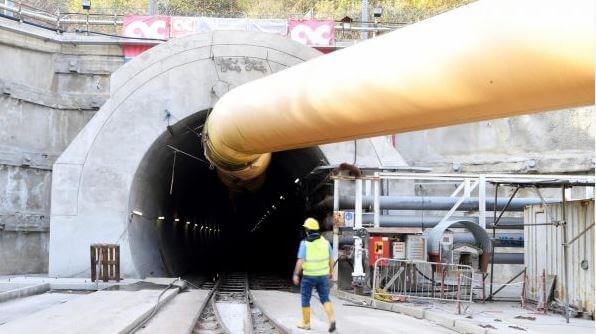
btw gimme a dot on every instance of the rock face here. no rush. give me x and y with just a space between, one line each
552 142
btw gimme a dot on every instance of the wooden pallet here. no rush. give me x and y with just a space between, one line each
105 262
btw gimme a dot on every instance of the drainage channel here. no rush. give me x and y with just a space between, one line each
230 309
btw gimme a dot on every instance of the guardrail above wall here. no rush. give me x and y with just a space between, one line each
65 21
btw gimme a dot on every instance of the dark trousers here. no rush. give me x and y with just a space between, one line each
320 283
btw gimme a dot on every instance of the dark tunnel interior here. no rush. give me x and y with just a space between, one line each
190 223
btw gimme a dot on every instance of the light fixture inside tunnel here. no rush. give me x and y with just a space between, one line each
161 218
177 219
136 212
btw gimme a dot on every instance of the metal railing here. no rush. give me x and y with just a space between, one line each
402 280
58 21
62 21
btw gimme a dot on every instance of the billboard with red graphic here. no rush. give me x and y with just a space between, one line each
312 32
315 33
154 27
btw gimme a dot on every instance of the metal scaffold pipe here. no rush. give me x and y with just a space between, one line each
435 203
501 239
509 223
489 59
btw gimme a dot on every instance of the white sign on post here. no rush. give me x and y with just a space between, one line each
349 218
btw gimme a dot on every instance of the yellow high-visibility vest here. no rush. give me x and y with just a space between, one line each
316 261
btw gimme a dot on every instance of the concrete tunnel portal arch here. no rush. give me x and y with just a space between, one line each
122 162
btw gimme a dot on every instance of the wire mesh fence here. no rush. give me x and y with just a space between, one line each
402 280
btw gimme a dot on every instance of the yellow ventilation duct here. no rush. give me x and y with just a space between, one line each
489 59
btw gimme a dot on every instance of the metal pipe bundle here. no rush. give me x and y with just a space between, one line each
509 223
486 60
509 258
501 239
435 203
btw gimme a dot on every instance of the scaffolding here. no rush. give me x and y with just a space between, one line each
466 185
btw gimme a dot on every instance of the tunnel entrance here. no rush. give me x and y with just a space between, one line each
187 222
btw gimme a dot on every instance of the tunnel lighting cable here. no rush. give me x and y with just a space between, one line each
155 307
187 154
194 286
173 173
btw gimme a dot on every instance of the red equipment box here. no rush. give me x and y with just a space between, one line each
378 247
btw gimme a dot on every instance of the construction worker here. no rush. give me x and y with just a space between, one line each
316 264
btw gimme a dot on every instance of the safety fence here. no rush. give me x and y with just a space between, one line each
402 280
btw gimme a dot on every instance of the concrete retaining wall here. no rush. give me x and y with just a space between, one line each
49 89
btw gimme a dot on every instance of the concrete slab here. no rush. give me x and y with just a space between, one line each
73 283
179 315
234 316
25 291
507 318
445 320
498 317
284 309
22 307
98 312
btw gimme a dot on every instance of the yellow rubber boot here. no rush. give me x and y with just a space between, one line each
305 324
329 310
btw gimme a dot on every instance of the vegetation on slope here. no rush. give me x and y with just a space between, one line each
395 11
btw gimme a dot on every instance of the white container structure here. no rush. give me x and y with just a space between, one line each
543 250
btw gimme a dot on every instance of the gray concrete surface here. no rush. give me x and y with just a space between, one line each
21 292
234 316
18 308
179 315
284 308
98 312
12 282
479 318
503 317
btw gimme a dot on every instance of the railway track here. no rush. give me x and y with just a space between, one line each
230 309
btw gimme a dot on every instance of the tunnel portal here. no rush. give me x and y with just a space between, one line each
113 183
196 225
